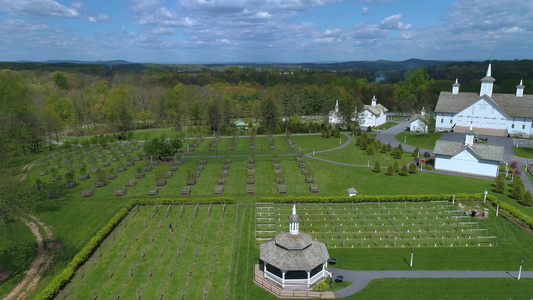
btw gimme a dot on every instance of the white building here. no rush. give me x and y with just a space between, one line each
467 157
489 113
419 122
334 116
372 115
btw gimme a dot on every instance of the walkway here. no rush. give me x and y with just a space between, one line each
360 279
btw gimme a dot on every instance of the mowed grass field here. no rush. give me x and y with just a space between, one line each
420 140
75 220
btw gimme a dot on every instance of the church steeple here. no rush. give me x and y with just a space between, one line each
294 220
487 83
337 106
374 100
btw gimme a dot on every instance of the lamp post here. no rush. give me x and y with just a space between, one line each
405 139
498 208
453 200
484 195
520 270
506 170
411 263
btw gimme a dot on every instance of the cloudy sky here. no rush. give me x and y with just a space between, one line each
191 31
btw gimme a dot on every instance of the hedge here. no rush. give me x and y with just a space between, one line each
63 278
370 198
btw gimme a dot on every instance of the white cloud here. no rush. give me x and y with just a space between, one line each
365 10
40 8
393 22
99 18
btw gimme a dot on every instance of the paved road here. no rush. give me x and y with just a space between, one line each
360 279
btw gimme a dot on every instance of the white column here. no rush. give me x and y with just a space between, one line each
308 277
283 278
265 270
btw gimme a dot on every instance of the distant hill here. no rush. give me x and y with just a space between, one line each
96 62
368 66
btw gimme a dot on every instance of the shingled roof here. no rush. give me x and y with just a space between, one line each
294 252
521 107
483 151
376 110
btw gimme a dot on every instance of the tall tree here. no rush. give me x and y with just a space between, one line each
269 112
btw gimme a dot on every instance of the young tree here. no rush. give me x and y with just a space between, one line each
500 183
416 152
396 167
412 168
214 115
377 167
403 171
269 112
528 199
370 150
390 171
517 188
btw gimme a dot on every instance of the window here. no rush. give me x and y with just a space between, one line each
450 121
441 120
512 126
523 126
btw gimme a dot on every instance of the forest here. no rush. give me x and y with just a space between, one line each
41 102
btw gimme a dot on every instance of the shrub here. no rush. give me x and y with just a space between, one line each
358 142
323 134
370 150
416 152
377 167
337 133
500 183
364 144
390 171
328 280
400 148
396 167
369 129
528 199
321 286
517 189
327 134
426 154
412 168
403 171
358 131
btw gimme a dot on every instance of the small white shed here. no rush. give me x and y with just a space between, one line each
352 192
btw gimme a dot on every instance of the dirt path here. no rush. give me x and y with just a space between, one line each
39 264
26 169
44 257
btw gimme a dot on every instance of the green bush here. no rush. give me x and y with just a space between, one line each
500 183
390 171
396 167
517 188
370 150
369 129
321 286
403 171
412 168
416 152
328 280
527 199
377 167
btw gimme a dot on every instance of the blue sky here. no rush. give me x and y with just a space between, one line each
193 31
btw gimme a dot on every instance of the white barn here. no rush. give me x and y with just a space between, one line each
419 122
467 157
373 115
489 113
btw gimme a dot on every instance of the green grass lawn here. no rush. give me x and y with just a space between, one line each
397 118
524 152
387 125
426 141
352 154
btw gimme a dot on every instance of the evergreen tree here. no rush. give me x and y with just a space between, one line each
327 134
383 149
396 167
323 134
369 129
403 170
358 142
377 167
398 153
416 152
412 168
500 183
337 133
364 144
390 171
517 188
370 150
400 148
528 199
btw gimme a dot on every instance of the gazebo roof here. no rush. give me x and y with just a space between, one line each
294 252
239 123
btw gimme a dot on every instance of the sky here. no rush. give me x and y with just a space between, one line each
225 31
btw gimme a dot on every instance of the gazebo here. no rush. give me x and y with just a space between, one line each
294 259
240 125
